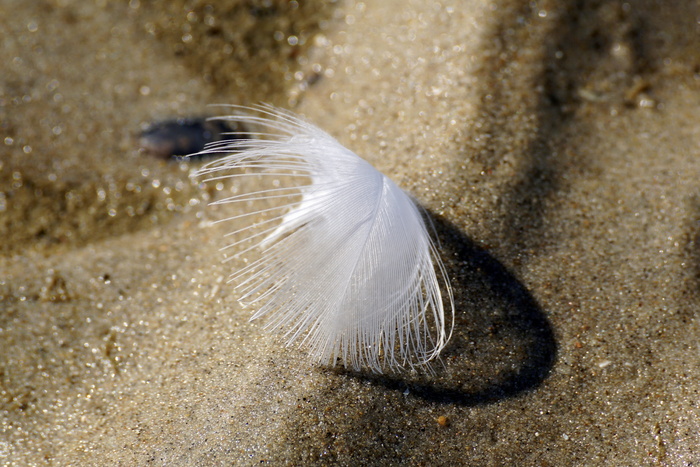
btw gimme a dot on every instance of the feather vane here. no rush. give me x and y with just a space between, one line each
347 269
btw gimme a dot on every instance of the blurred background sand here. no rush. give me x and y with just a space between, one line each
555 143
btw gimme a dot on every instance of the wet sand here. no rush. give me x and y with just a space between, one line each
555 145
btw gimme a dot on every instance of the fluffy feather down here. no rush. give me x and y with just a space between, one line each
347 268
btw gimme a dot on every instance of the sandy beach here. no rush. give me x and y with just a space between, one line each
555 144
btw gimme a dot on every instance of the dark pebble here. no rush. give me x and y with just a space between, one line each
183 136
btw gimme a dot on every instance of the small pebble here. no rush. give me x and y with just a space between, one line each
183 136
443 421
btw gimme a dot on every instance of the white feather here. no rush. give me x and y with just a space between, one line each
350 271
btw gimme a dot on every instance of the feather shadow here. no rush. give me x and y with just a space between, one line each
502 345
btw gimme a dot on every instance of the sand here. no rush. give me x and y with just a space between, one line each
555 144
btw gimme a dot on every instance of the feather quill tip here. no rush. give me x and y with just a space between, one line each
347 269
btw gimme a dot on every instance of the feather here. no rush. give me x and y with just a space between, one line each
347 267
